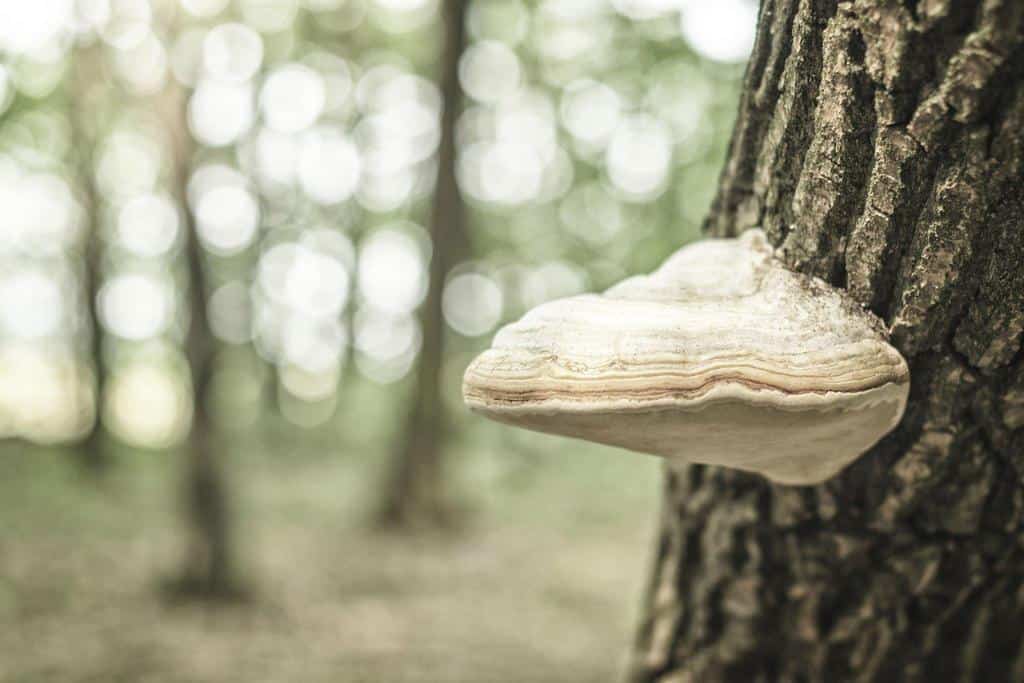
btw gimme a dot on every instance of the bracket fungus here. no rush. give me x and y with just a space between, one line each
722 356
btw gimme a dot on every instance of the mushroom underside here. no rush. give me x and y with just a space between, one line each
794 439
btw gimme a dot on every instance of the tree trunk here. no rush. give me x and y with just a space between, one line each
415 493
881 147
208 571
94 448
86 71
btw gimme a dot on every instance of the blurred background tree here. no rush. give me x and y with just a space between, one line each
259 240
417 491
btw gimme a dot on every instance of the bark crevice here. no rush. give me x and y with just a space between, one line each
890 163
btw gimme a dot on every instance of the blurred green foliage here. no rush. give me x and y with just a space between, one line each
299 135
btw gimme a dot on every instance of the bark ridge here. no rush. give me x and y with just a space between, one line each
880 145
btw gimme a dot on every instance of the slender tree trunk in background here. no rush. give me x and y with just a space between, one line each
209 570
87 70
93 449
881 146
415 494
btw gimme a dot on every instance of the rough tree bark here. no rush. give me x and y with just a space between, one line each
415 493
881 146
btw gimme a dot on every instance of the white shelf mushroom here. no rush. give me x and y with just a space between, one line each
721 356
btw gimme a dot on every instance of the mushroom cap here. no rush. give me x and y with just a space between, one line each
721 356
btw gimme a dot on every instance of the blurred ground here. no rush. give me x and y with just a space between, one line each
543 585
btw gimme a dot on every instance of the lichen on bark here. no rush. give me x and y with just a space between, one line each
881 146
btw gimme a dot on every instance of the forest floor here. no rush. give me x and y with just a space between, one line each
542 584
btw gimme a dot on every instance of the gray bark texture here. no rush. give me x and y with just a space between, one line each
880 144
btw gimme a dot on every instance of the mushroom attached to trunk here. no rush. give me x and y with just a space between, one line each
721 356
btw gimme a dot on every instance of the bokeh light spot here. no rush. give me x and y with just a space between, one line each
722 30
148 225
220 113
392 271
292 98
136 306
472 304
639 157
227 218
147 406
232 52
329 166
